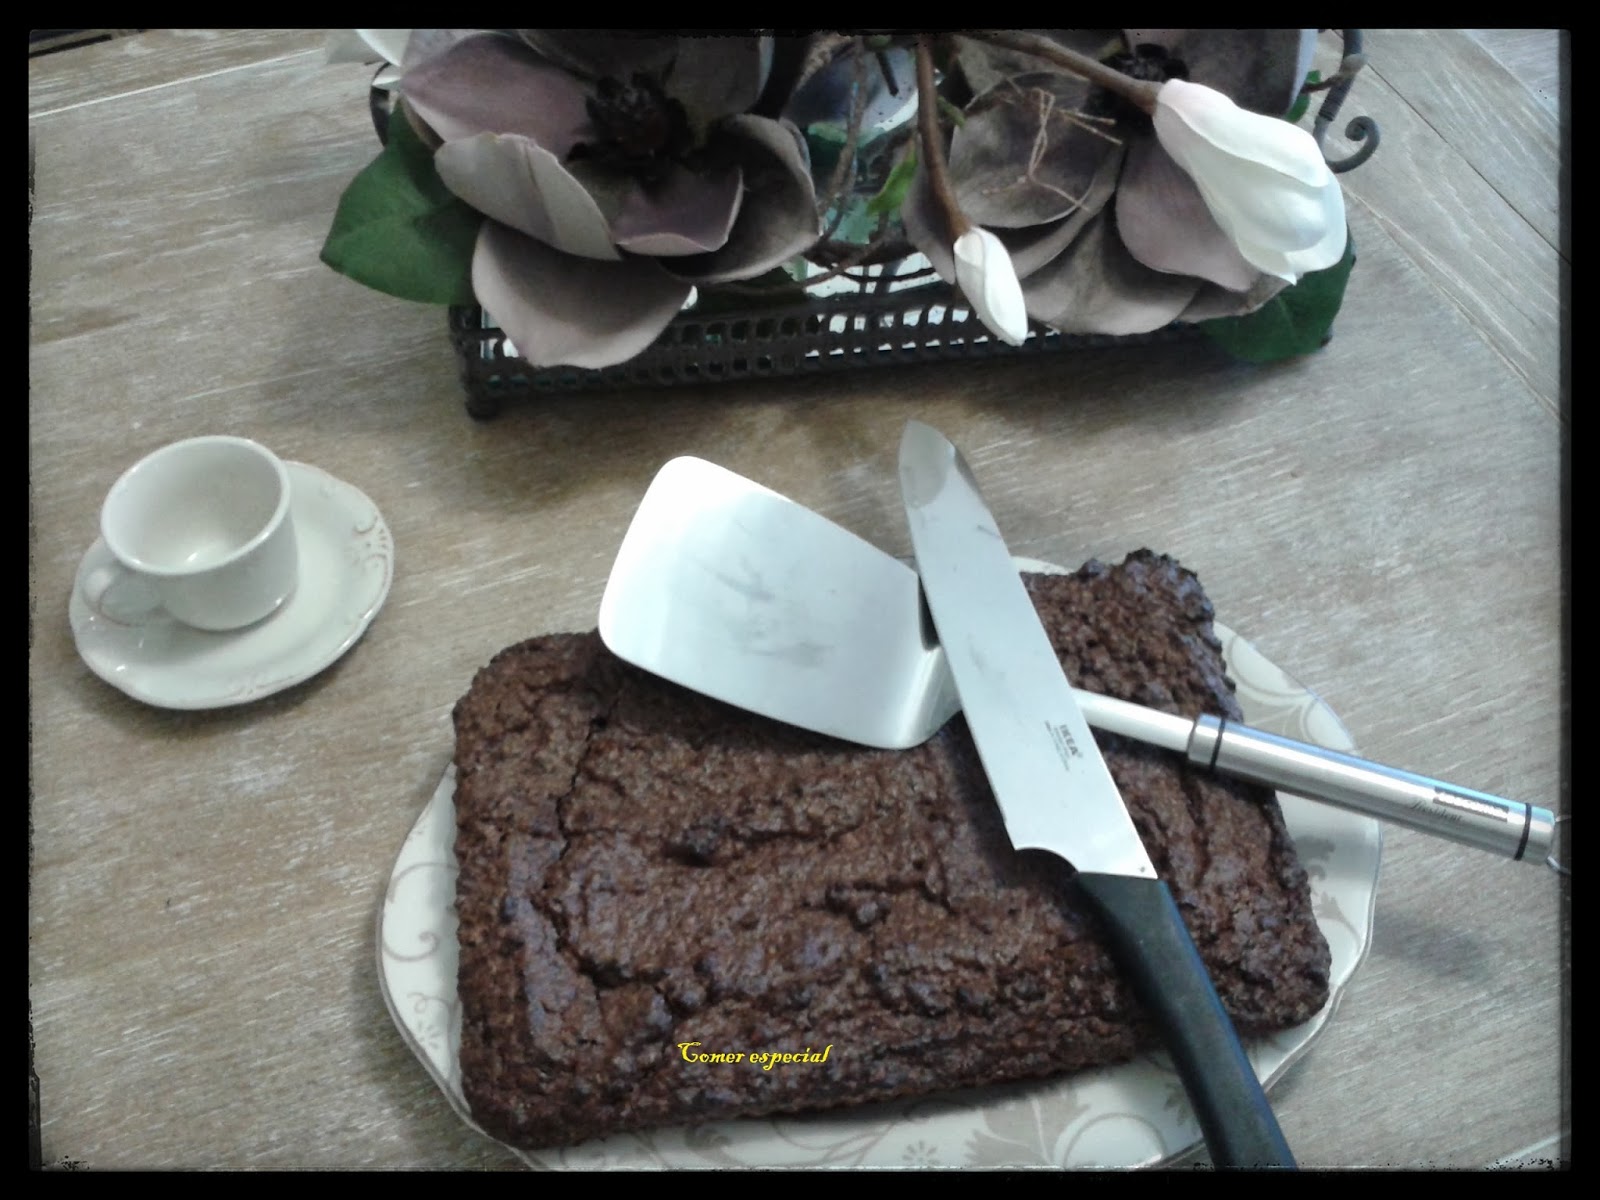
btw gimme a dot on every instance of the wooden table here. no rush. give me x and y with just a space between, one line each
1383 519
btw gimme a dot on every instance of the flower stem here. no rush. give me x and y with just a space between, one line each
845 168
933 141
1139 92
824 48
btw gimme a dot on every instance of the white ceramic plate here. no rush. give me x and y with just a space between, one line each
346 565
1131 1115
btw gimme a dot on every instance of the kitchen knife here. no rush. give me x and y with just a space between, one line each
1056 793
728 588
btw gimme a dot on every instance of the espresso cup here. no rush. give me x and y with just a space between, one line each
201 531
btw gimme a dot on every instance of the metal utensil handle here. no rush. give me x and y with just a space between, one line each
1477 819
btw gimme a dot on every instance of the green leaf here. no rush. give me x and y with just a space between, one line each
1303 101
1296 321
399 230
893 193
857 225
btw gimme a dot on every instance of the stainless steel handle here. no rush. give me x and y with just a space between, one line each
1518 831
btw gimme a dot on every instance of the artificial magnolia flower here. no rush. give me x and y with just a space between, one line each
1108 233
1264 180
617 173
984 272
370 46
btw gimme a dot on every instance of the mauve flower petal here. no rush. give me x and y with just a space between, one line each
1165 224
600 53
1098 287
424 44
1212 301
1262 69
495 84
926 227
687 212
560 310
1021 157
778 219
520 183
716 77
984 65
1031 249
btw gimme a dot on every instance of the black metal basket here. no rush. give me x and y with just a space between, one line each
808 335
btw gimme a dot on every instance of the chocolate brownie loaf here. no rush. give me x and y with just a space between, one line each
648 876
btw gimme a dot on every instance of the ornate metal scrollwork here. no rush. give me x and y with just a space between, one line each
1361 129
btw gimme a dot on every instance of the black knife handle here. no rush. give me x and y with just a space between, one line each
1152 945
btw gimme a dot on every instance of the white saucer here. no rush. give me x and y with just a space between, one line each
346 565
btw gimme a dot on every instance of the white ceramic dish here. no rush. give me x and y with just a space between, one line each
346 566
1132 1115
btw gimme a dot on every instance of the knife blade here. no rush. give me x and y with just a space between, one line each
1056 793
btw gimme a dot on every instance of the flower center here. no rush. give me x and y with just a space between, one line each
638 127
1148 62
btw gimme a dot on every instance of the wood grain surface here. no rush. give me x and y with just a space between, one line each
1382 519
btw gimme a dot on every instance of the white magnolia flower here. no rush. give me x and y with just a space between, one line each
1263 179
370 46
985 273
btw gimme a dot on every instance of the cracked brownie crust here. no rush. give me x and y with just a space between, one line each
642 867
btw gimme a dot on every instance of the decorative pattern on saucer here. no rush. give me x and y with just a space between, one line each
346 567
1127 1116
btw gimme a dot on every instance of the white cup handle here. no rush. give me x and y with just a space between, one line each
120 595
